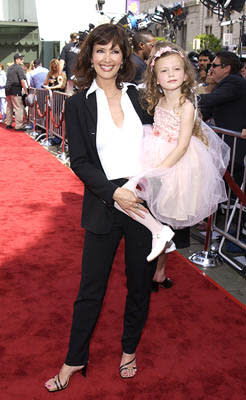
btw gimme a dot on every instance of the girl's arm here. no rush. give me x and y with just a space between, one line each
186 127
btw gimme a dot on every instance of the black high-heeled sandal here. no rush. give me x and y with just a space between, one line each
58 384
166 284
126 366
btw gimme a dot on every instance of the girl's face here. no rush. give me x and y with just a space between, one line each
170 72
106 60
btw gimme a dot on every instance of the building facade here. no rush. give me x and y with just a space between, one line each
19 33
199 19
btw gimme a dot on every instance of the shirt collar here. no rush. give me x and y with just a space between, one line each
94 87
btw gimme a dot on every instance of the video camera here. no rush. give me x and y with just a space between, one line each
82 35
174 15
135 22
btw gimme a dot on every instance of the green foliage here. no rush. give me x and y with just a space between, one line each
163 38
209 42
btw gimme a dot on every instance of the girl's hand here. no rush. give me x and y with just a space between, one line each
130 203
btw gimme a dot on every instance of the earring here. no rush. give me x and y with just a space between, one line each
121 66
92 65
159 88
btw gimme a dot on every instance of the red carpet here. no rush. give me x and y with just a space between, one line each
194 344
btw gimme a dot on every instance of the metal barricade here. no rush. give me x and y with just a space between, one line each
232 225
57 123
39 115
48 114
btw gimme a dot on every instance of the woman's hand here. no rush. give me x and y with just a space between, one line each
130 203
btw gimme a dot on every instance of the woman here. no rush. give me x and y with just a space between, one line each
29 69
54 80
243 67
104 129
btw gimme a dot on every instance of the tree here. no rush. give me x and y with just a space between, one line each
209 42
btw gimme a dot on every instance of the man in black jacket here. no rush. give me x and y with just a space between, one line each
68 59
142 42
14 86
227 102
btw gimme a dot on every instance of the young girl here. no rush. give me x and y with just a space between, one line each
183 159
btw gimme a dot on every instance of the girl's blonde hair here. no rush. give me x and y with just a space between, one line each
152 92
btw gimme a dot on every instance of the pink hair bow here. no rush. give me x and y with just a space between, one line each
162 51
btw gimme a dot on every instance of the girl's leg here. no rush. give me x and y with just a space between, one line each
160 273
161 234
160 269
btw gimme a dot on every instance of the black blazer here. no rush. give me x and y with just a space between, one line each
227 106
81 126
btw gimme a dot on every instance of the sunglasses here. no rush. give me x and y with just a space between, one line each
213 65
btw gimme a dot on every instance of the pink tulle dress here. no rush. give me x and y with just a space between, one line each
186 193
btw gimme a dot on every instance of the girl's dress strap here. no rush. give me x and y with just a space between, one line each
195 105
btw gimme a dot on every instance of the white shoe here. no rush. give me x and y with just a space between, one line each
170 247
159 242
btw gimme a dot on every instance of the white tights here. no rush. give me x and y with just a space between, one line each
149 221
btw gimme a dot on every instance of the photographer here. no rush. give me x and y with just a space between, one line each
204 63
68 59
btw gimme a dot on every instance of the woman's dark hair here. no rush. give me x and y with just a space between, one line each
103 34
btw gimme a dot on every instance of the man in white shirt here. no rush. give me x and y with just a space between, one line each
38 75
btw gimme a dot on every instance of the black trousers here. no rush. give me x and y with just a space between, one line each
98 255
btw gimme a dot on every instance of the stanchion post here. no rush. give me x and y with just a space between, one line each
47 117
206 258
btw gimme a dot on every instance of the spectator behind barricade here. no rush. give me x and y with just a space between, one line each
38 75
204 64
14 86
54 79
142 42
243 67
227 102
28 71
193 57
3 103
68 59
208 86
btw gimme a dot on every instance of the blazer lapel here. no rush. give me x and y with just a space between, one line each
91 108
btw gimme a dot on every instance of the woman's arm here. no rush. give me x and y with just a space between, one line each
186 127
61 82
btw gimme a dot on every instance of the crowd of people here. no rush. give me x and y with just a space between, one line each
150 166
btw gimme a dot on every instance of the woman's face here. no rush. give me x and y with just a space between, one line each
106 60
209 78
54 67
243 70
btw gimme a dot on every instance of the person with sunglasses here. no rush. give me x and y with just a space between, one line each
226 104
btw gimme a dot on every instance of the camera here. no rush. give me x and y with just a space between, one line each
82 35
208 67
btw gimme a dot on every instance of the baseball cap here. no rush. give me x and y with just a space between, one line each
18 55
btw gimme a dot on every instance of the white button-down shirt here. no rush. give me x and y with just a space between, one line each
118 148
